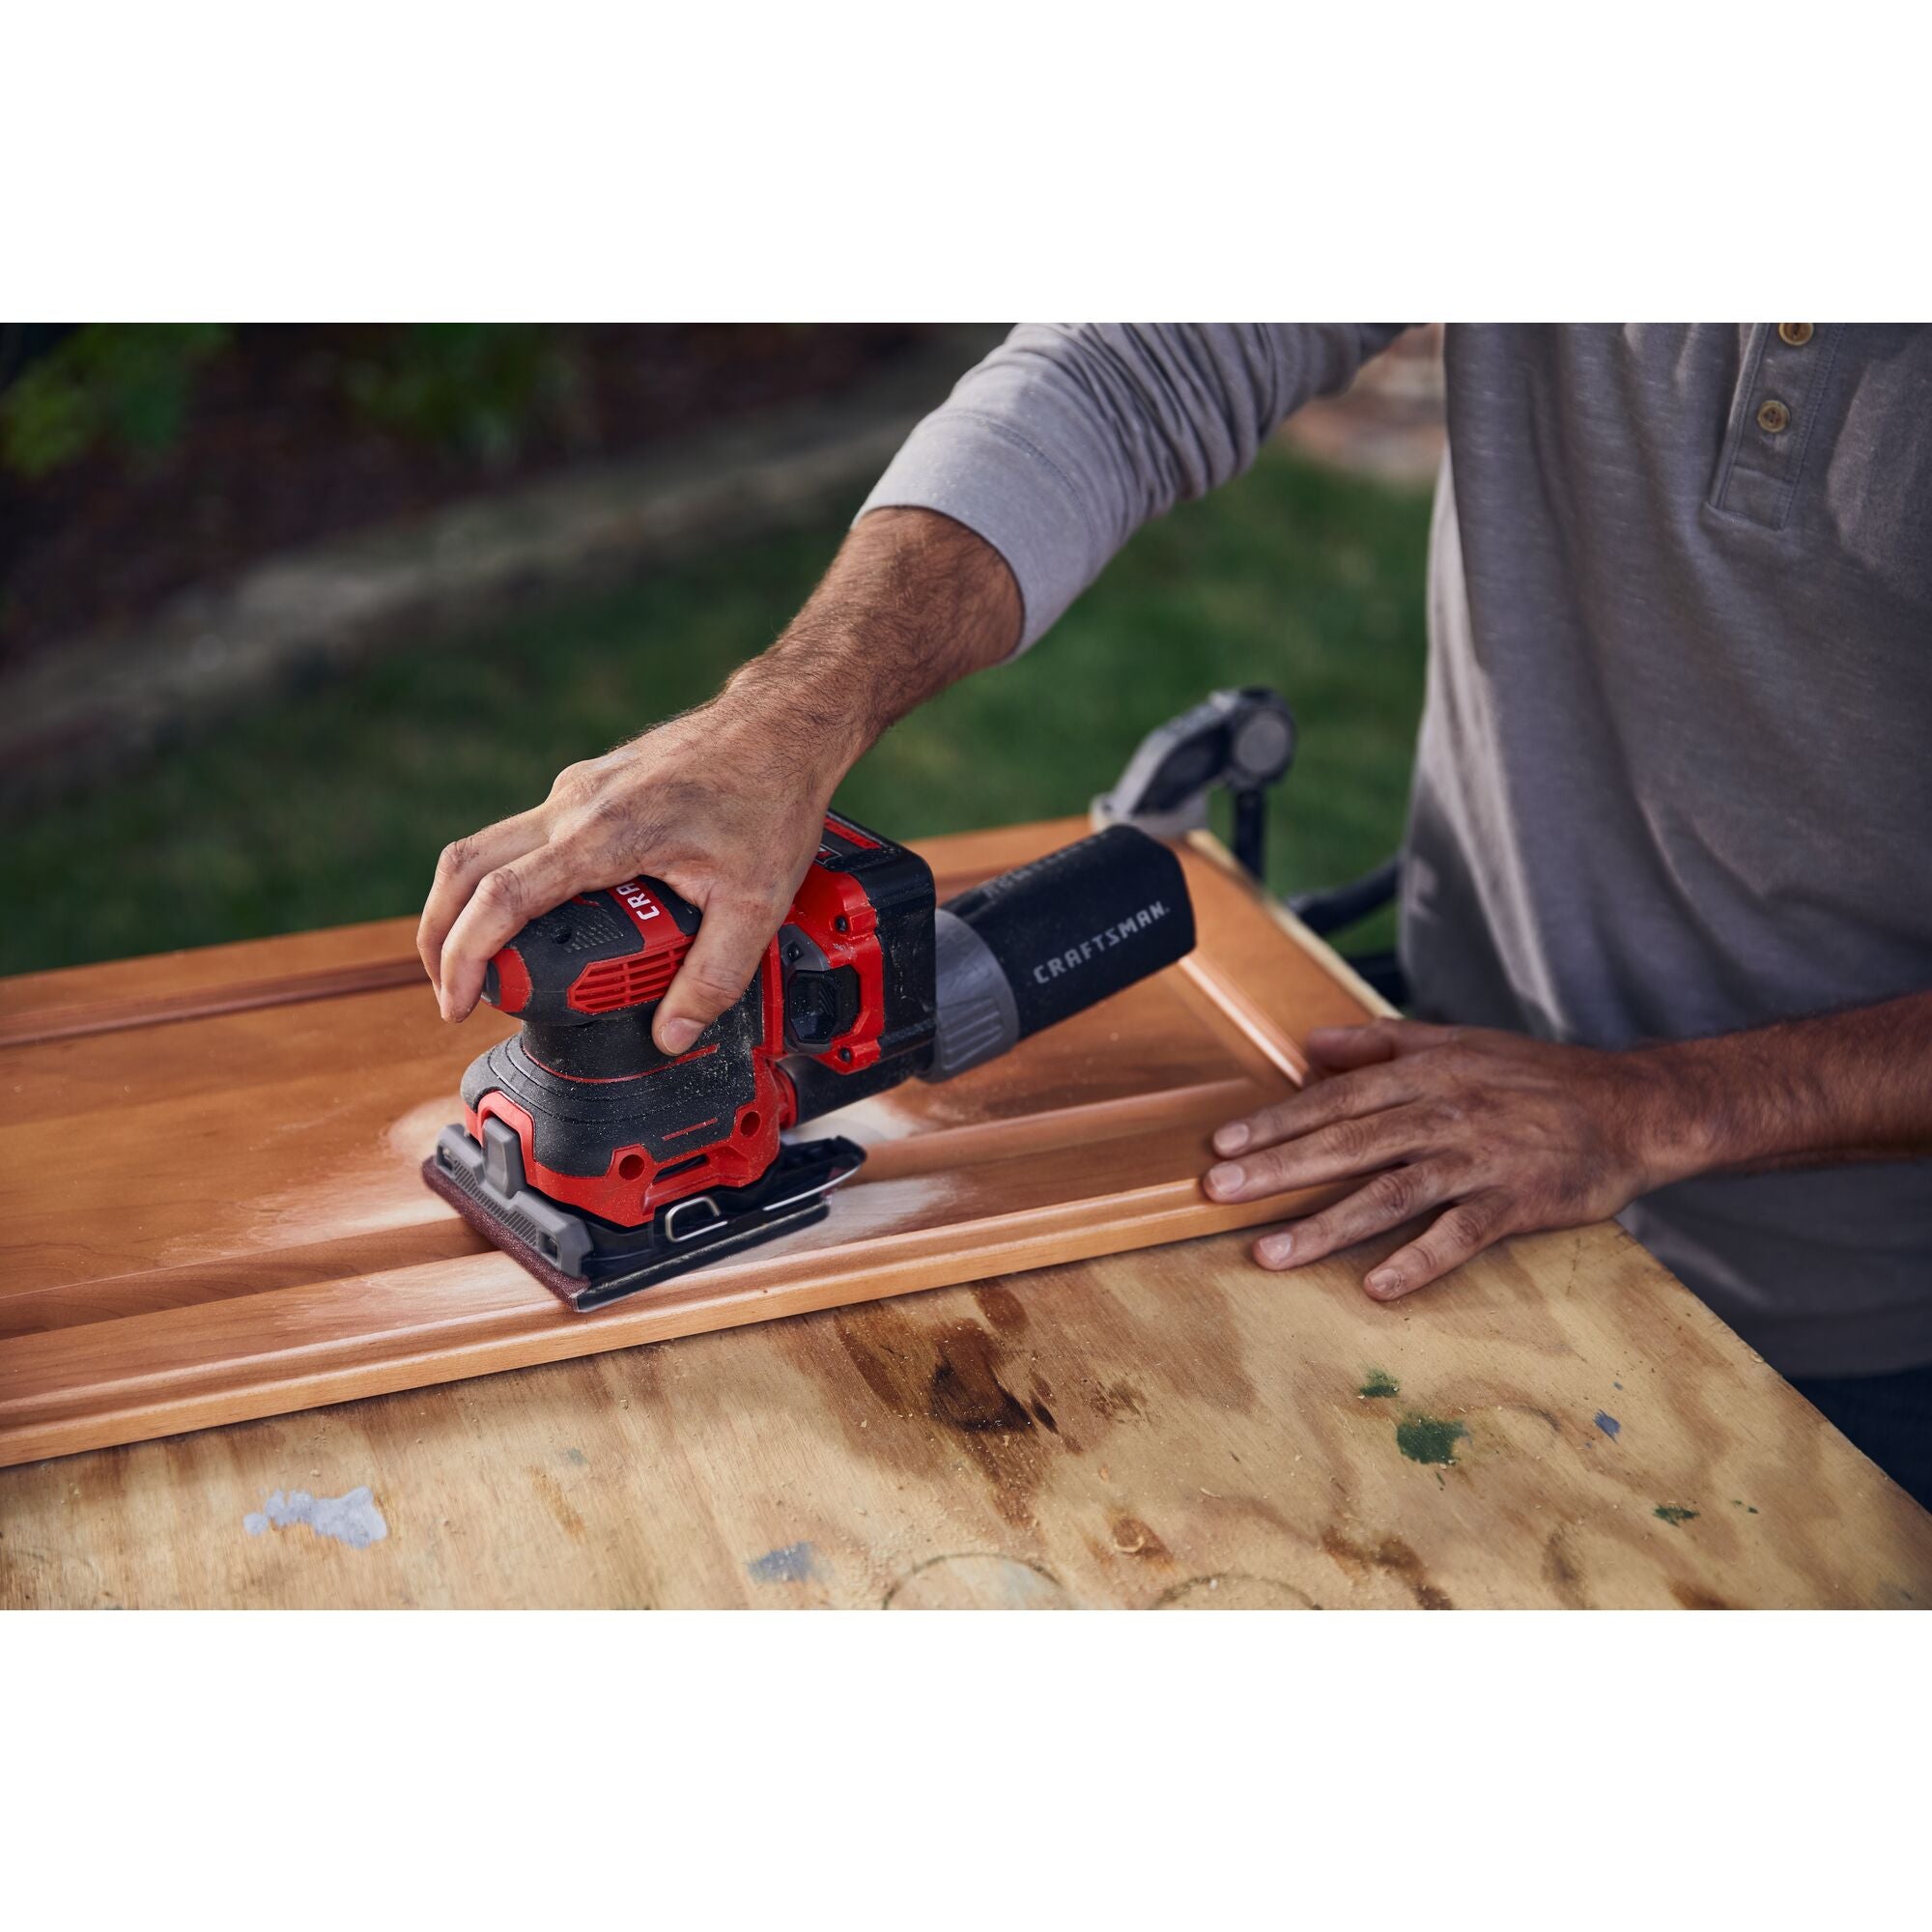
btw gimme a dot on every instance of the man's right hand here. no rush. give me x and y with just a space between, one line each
715 804
726 803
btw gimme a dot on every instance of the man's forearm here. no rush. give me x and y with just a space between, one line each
1840 1087
912 603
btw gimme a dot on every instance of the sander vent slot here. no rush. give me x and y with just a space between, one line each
612 984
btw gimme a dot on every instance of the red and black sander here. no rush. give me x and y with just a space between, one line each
606 1167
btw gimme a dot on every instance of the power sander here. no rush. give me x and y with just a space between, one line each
606 1167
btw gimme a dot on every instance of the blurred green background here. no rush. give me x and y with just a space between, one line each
332 804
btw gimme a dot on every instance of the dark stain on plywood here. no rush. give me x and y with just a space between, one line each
1133 1537
1693 1599
956 1373
1117 1401
1001 1306
966 1392
884 1347
1391 1556
966 1395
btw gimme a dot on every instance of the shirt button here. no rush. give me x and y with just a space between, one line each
1795 333
1773 417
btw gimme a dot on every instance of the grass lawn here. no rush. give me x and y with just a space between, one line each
332 806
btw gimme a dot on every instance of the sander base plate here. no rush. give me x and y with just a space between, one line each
621 1261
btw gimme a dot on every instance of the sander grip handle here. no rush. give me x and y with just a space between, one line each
1049 939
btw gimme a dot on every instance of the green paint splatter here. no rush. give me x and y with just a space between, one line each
1379 1382
1429 1439
1672 1513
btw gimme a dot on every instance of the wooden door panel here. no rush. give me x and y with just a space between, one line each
212 1209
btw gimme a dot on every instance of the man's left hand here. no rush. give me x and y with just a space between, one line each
1504 1134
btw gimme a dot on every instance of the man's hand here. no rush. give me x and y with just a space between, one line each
1502 1134
715 804
725 805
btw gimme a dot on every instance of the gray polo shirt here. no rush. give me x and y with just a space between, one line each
1674 774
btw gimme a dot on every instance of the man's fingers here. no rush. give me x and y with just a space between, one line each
1332 1049
1386 1201
1365 1092
463 862
1338 1152
1335 1049
1468 1228
718 967
505 899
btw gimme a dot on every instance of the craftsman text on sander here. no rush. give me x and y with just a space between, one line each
1103 940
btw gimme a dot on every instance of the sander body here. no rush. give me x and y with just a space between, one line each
606 1167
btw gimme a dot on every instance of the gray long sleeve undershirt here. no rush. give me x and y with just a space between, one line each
1672 777
1065 441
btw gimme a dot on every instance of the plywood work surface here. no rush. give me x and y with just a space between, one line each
213 1214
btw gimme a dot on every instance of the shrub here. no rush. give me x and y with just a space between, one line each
470 386
125 385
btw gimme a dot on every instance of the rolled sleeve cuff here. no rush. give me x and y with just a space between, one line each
982 473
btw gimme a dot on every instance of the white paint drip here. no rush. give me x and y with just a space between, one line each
353 1519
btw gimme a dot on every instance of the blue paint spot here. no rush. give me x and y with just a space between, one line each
1609 1425
353 1519
795 1563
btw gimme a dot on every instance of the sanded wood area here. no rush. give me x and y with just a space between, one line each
216 1152
213 1209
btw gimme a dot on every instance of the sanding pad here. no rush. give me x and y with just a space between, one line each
790 1196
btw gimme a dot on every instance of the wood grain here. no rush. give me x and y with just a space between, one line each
1165 1429
213 1212
123 993
219 1221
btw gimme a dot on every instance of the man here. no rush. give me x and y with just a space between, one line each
1668 874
